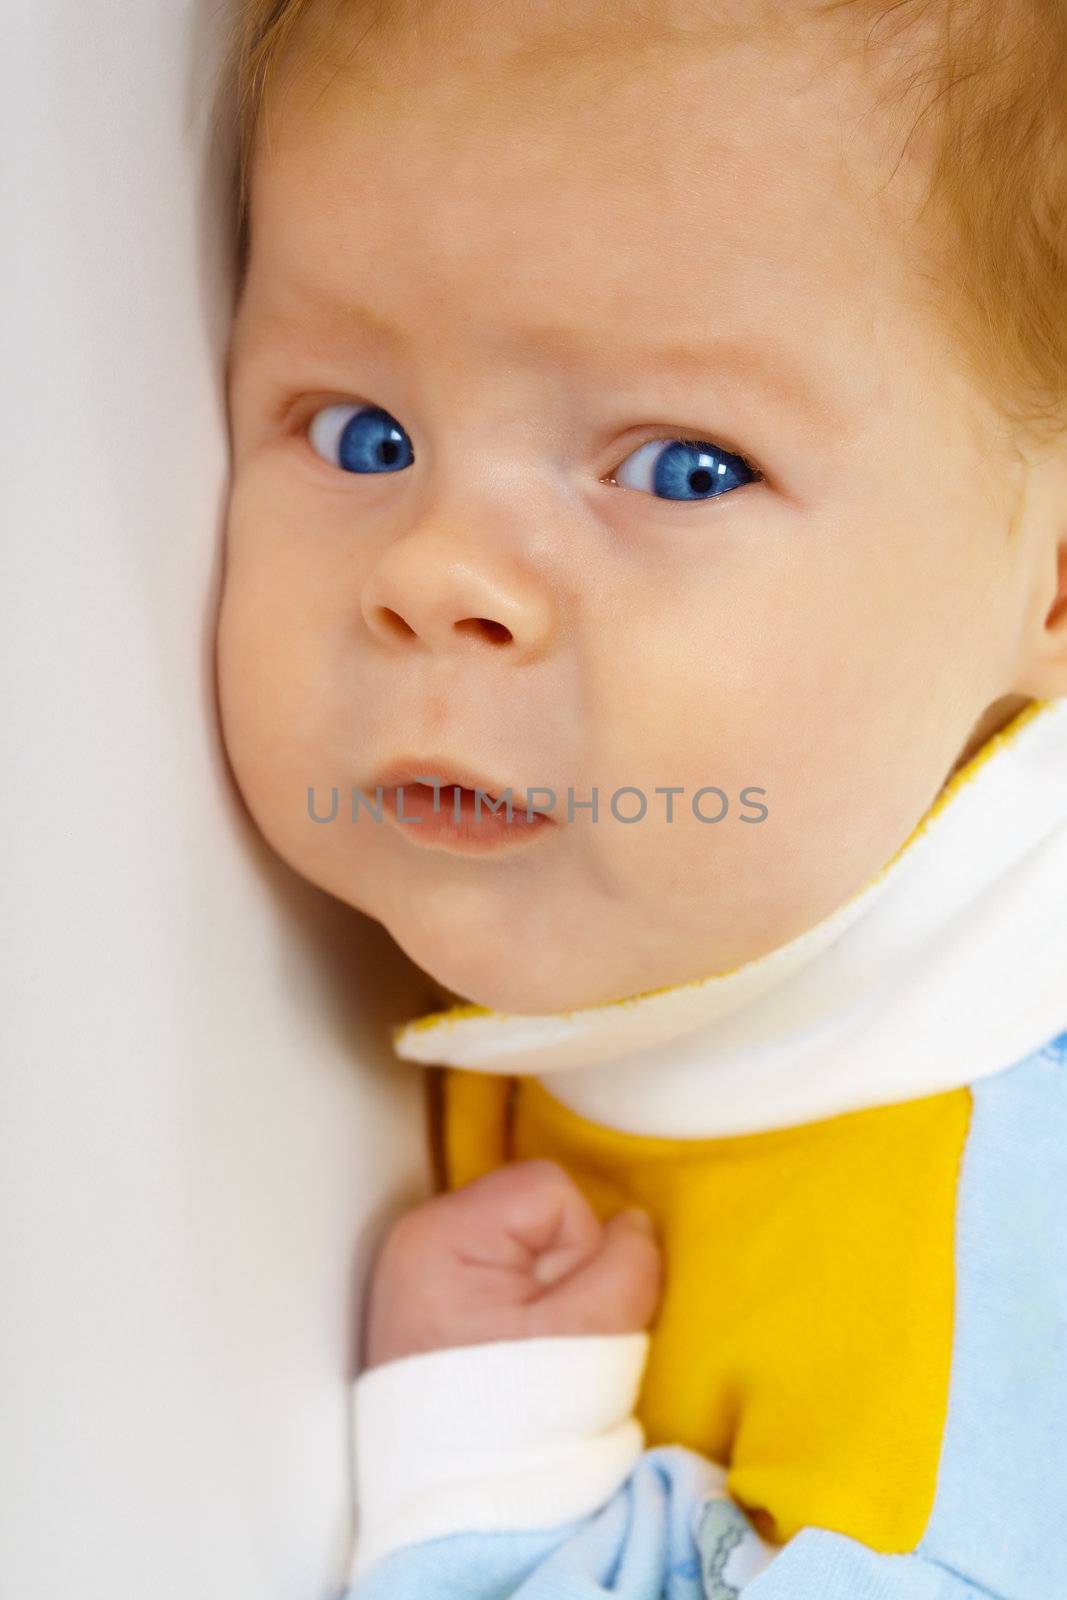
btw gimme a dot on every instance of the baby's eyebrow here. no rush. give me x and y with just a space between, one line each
766 362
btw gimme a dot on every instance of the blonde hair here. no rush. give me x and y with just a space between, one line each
991 75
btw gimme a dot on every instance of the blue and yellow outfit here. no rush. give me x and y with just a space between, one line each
856 1384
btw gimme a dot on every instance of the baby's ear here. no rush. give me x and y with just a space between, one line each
1040 534
1057 615
1050 670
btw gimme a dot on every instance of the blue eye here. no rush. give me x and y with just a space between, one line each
360 439
684 469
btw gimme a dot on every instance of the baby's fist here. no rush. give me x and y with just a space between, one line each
517 1254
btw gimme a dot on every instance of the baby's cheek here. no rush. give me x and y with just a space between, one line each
759 765
266 678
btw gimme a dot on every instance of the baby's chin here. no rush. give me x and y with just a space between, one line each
514 979
515 974
520 976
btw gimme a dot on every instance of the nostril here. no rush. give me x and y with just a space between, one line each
394 621
495 630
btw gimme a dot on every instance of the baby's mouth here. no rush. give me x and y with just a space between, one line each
438 802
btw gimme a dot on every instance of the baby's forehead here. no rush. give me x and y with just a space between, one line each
625 101
719 188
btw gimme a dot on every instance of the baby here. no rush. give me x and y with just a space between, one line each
690 704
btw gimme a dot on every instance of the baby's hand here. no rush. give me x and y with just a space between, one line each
517 1254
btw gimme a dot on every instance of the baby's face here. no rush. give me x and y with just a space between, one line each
550 274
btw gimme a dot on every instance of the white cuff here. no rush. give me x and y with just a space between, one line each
513 1434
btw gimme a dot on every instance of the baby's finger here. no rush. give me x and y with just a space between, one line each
528 1214
617 1290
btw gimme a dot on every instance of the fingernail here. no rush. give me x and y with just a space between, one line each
638 1217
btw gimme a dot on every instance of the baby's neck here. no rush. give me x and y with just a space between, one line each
995 717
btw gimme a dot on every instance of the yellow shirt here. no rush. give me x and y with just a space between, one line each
804 1337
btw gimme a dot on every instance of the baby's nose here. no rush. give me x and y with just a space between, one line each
435 593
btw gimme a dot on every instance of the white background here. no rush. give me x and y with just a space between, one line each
203 1128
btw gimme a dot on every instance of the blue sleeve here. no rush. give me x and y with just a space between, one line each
998 1526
